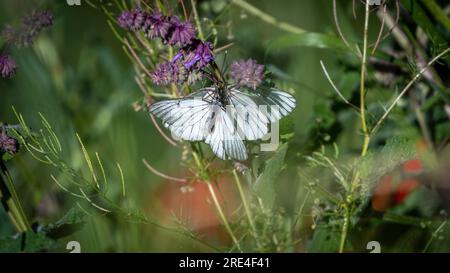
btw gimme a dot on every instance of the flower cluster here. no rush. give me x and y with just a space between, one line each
7 66
170 29
193 54
8 144
247 73
32 25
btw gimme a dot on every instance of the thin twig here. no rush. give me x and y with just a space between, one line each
197 19
267 18
381 31
338 27
217 50
160 174
335 88
136 58
395 22
407 87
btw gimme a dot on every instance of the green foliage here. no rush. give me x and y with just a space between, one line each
316 196
265 183
28 242
307 39
396 151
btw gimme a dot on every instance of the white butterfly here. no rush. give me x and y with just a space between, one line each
210 115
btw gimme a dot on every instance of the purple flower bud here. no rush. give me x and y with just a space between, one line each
200 55
133 19
156 26
247 73
181 33
7 66
8 144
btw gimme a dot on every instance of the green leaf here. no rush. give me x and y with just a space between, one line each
396 151
325 240
28 242
265 184
307 39
67 225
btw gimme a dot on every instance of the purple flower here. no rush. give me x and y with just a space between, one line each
8 144
133 19
156 26
32 25
7 66
38 20
247 73
199 55
169 73
181 33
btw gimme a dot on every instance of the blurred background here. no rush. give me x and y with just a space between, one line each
78 76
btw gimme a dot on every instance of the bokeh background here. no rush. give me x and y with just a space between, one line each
77 75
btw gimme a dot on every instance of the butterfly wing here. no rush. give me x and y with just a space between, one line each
223 138
251 121
278 103
200 117
187 118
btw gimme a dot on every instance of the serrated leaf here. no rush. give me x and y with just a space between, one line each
265 183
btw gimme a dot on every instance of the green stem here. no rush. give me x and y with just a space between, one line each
267 18
247 209
219 209
362 84
438 13
197 20
222 215
355 179
10 201
344 232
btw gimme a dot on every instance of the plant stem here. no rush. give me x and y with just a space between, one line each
247 209
344 230
362 93
197 20
407 87
362 84
10 201
222 215
438 12
267 18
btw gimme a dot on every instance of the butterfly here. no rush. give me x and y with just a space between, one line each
224 117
